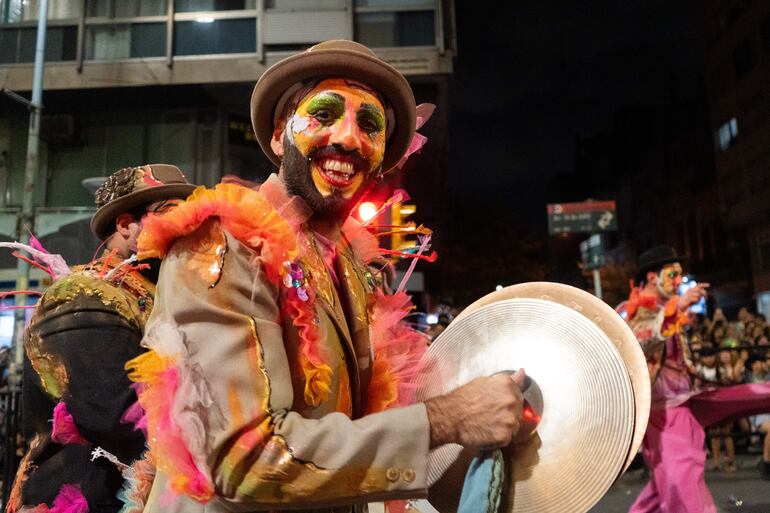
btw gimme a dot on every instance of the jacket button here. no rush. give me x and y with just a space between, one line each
408 475
392 474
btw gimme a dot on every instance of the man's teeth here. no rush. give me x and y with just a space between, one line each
345 168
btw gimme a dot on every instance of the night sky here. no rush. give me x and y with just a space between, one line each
530 78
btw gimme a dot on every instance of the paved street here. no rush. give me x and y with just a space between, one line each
752 493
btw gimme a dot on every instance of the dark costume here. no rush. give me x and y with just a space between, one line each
77 398
84 329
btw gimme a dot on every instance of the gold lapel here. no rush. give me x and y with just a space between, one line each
355 289
326 293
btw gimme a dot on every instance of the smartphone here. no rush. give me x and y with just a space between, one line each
689 282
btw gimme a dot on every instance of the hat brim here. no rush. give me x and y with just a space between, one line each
651 266
102 222
343 63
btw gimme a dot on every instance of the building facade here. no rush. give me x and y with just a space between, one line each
129 82
736 43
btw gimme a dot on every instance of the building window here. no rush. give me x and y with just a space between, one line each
215 36
125 41
743 57
726 134
305 5
393 23
396 4
213 5
16 11
126 8
18 45
405 28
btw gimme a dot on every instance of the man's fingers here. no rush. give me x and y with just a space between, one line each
518 377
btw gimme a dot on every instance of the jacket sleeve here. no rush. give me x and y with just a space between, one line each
78 344
214 293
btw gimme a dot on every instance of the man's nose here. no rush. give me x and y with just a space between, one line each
346 134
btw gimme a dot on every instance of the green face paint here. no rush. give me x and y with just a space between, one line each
326 107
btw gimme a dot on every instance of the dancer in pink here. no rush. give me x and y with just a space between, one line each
673 445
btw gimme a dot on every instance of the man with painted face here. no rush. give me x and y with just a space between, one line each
673 444
277 376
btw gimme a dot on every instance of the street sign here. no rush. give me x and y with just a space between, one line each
586 216
592 252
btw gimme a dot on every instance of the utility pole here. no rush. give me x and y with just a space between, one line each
26 216
598 283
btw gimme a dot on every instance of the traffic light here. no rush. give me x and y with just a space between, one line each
399 240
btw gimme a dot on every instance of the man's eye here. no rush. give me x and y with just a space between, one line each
368 125
323 115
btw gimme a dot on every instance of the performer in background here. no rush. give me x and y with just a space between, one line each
673 445
86 326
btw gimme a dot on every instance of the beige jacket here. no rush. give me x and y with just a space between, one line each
250 430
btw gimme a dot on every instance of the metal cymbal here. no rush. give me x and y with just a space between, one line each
587 425
612 325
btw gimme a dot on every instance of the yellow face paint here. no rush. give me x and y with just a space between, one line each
340 126
670 279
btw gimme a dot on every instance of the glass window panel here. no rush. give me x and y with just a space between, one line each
219 36
27 41
135 40
389 29
213 5
108 42
14 11
60 44
126 8
148 39
724 136
396 3
9 45
305 5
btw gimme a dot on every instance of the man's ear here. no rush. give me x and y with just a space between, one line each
652 277
123 224
276 142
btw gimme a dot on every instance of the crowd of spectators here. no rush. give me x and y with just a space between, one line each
727 352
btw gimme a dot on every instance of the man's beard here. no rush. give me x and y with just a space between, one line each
298 180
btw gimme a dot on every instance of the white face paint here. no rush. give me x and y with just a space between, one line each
299 123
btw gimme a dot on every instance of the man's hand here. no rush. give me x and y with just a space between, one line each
692 296
482 414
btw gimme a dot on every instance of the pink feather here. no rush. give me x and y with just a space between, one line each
64 429
394 343
70 500
135 414
423 113
52 264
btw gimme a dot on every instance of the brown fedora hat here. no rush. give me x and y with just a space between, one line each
132 187
343 59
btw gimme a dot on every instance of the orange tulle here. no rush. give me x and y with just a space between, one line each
244 213
160 379
639 299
